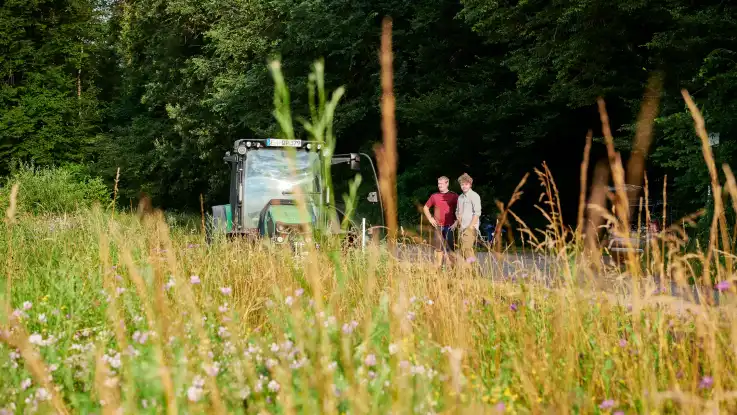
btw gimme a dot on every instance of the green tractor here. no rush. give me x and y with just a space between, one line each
264 179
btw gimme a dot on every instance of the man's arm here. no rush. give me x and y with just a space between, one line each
429 216
476 209
458 217
430 203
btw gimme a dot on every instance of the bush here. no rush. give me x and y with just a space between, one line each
54 190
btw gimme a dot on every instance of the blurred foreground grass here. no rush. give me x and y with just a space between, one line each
122 314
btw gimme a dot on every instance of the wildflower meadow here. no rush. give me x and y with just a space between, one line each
111 310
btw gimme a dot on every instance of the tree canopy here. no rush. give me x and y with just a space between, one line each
162 88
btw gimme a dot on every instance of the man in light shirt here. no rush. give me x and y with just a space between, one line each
468 212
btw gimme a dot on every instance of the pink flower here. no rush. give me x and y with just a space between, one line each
348 328
607 404
706 382
226 290
370 360
194 279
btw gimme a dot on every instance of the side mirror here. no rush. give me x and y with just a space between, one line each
355 161
372 197
230 158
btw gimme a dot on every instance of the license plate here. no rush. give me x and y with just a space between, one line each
277 142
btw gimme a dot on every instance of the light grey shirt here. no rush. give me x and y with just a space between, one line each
469 205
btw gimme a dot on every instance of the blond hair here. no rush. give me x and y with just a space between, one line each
443 178
465 178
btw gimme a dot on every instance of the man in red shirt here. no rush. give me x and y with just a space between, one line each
444 216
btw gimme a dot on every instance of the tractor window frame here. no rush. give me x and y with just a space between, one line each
272 167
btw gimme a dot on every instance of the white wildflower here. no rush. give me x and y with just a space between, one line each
36 339
194 393
42 394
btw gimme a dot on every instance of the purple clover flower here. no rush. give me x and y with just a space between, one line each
607 404
706 382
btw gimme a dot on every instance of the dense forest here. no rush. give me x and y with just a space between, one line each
494 88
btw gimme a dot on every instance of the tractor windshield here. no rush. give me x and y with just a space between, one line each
274 174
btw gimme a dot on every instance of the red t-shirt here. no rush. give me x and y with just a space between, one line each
445 207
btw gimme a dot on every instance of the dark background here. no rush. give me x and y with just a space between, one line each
161 89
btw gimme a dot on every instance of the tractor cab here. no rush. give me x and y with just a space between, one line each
267 177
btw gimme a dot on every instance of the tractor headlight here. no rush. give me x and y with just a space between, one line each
279 239
242 149
280 227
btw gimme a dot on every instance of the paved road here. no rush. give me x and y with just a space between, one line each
546 270
495 266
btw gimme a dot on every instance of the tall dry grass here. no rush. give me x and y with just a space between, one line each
129 315
112 313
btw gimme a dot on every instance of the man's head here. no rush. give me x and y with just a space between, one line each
465 181
443 183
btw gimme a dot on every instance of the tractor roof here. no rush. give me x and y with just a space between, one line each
248 144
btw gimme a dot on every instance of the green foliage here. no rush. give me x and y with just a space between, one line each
49 107
277 338
54 189
319 129
486 87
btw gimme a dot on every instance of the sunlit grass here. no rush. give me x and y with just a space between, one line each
246 329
